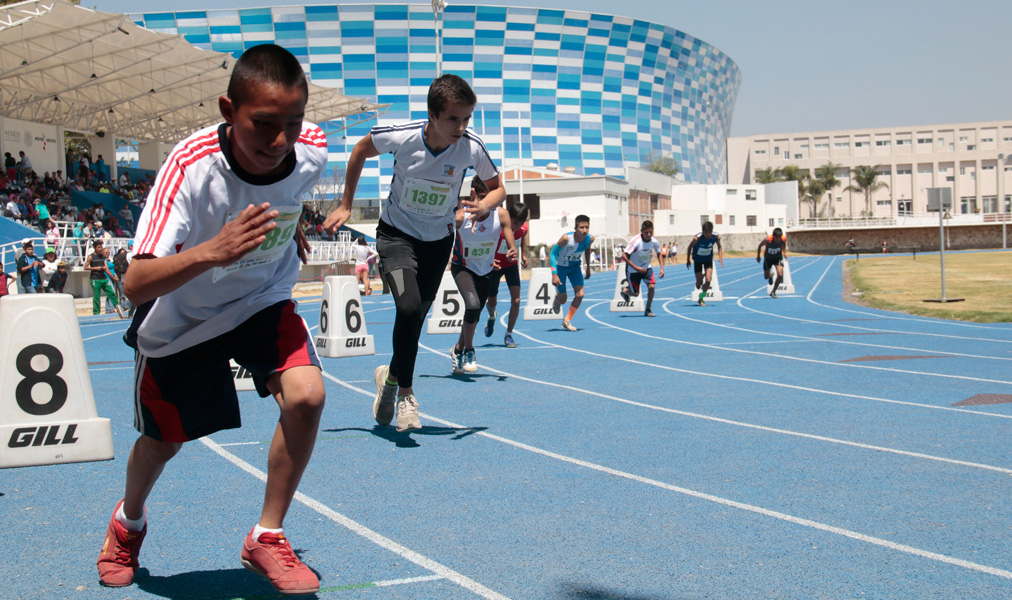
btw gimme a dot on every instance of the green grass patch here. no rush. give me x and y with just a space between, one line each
900 283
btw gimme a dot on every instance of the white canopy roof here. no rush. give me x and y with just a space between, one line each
91 71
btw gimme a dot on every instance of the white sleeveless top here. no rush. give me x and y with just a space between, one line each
476 250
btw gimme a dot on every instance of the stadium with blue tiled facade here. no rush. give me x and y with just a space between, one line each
588 91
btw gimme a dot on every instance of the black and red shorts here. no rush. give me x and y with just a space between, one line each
190 394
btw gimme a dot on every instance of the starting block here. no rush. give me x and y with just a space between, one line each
448 308
242 378
713 294
346 334
635 303
787 285
540 294
47 407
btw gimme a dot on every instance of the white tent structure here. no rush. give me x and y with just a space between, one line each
99 73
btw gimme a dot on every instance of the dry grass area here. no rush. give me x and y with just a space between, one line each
900 283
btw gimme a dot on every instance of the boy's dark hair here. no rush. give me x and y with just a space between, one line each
581 219
518 212
707 226
449 89
478 185
778 232
646 225
265 64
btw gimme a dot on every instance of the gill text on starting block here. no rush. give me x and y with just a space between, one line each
47 406
342 329
448 309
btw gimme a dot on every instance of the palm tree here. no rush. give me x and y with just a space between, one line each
794 173
767 175
865 180
811 189
826 174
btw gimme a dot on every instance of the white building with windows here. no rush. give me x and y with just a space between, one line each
964 157
733 209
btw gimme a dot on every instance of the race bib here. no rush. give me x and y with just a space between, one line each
478 250
426 198
271 250
704 251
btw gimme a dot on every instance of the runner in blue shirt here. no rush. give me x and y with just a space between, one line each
700 251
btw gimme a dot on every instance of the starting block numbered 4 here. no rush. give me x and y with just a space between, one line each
346 334
540 294
448 309
47 407
635 303
713 294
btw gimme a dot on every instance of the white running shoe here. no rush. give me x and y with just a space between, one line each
407 413
456 361
568 326
470 364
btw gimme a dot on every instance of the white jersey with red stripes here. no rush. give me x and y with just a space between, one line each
501 249
641 252
199 189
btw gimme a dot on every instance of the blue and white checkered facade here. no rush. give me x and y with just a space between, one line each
582 90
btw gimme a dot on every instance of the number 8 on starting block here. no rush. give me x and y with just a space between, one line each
47 407
342 321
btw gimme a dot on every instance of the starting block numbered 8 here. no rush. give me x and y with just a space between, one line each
713 294
540 294
635 303
448 309
47 407
787 285
346 335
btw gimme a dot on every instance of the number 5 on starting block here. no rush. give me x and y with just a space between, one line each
47 407
342 322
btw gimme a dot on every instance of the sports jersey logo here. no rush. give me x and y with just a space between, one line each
481 228
448 170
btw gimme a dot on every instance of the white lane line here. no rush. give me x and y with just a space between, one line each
788 357
719 500
801 388
408 580
831 340
95 337
693 415
897 318
369 534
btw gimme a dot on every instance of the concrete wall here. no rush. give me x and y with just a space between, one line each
958 237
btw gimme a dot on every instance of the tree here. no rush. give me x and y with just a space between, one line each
811 189
826 174
664 164
326 194
865 180
767 175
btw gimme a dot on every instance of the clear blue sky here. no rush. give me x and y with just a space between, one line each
816 65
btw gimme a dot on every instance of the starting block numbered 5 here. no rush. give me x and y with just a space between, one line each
713 294
635 303
448 309
343 333
540 294
47 407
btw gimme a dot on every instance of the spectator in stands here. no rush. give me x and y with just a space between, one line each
48 268
101 280
84 167
11 166
103 188
25 164
5 280
59 279
99 211
120 262
13 209
52 234
60 180
28 267
100 169
127 218
124 180
42 214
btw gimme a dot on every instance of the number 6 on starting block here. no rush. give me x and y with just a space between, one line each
47 407
342 321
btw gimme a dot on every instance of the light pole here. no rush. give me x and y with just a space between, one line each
437 12
1001 198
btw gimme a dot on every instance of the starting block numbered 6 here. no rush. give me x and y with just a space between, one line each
47 407
635 303
448 309
540 294
342 331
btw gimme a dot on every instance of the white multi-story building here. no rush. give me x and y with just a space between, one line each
733 209
964 157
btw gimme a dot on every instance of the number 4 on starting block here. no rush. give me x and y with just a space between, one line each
342 322
47 407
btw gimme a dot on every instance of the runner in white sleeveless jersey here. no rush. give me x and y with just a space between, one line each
472 266
416 229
